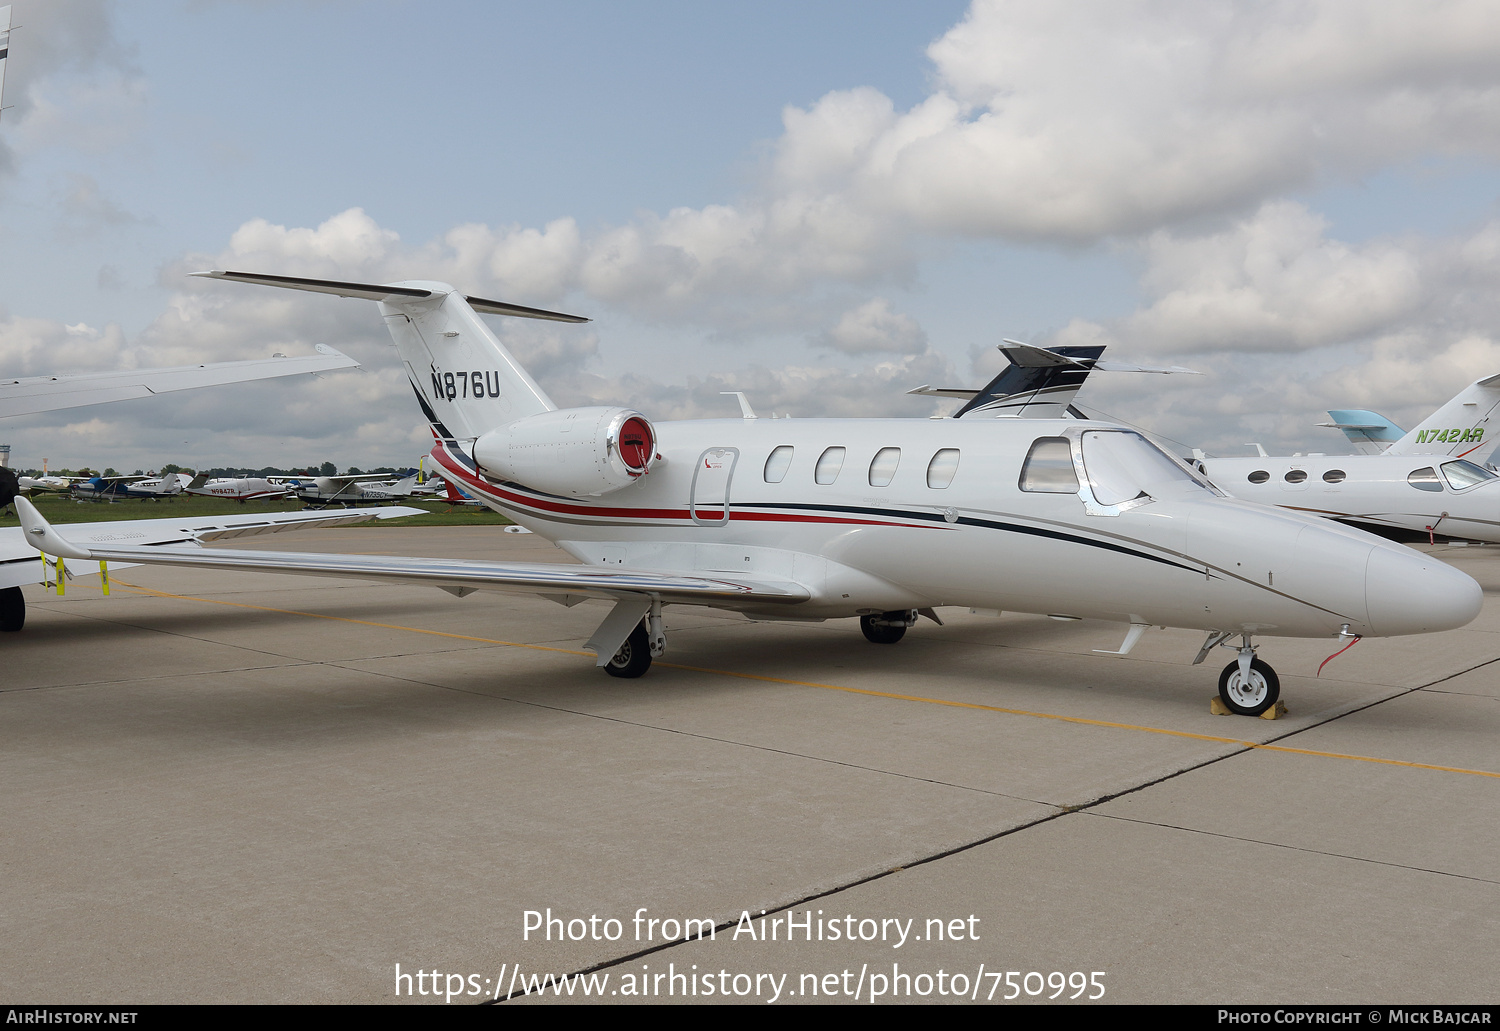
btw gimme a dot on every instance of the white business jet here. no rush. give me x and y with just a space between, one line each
877 519
1426 484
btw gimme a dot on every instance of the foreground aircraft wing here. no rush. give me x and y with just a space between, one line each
50 393
634 591
18 557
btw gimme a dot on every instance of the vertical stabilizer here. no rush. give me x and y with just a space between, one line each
466 380
1464 427
1369 432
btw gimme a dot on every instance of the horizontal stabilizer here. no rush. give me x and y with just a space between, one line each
389 293
959 392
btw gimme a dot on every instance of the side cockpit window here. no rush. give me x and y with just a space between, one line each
1425 478
1124 466
1049 467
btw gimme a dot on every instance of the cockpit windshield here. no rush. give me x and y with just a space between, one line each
1122 465
1461 474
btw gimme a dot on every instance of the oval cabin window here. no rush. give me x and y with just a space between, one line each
1259 476
1295 476
1334 476
777 464
941 469
829 464
883 466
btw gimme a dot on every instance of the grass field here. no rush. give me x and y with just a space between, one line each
59 508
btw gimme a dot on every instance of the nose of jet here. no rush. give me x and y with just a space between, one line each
1411 593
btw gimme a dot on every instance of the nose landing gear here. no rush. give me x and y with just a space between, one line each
1249 692
1248 686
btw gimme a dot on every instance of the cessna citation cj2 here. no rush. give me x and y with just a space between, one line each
879 519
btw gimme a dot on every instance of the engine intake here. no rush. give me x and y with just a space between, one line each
578 451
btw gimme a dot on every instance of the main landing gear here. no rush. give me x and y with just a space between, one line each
1248 686
634 656
12 609
887 627
646 642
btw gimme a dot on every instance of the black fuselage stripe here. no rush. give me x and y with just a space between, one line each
1035 531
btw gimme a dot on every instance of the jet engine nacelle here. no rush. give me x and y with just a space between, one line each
578 451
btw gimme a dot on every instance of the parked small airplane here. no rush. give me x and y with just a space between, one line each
240 488
352 488
120 488
45 484
883 520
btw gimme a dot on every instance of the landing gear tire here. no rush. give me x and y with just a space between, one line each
877 634
1253 696
634 656
12 609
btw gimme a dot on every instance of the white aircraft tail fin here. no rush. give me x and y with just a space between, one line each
466 380
1460 428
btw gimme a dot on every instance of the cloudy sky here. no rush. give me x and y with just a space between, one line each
821 204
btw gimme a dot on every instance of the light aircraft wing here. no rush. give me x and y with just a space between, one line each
50 393
18 558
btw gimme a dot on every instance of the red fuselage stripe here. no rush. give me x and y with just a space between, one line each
478 486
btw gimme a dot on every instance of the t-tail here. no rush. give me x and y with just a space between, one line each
1369 432
467 381
493 422
1039 382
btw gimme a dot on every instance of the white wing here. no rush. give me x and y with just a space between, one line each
50 393
18 557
